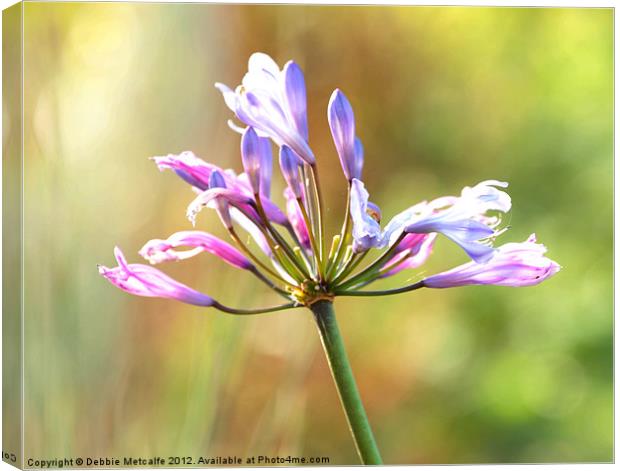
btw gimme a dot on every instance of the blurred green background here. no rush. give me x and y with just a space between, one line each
444 97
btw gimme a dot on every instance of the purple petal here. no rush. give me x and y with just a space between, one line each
143 280
190 168
513 264
295 93
251 150
272 211
358 165
366 231
218 198
465 232
342 125
296 218
273 102
418 248
216 180
266 166
157 250
289 164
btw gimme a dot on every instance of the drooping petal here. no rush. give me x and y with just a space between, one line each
467 233
158 250
219 199
295 94
143 280
342 125
366 230
513 264
462 219
190 168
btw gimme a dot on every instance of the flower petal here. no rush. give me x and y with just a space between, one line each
342 125
289 164
411 253
295 94
251 149
158 250
143 280
273 102
366 231
513 264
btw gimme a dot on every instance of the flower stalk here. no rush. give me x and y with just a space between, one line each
345 382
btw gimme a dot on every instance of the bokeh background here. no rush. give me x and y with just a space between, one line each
444 97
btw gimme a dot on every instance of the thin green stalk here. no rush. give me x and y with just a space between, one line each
374 266
279 239
345 382
245 250
249 312
351 265
268 282
387 292
344 232
319 198
313 244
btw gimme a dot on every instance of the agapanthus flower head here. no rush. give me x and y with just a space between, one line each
290 252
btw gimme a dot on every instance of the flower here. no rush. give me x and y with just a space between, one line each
289 252
158 250
143 280
513 264
464 220
273 101
293 258
255 155
342 125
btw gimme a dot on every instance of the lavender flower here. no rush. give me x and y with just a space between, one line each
143 280
271 104
289 253
513 264
158 250
274 102
342 124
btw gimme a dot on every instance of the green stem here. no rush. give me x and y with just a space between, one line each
345 382
246 312
387 292
375 266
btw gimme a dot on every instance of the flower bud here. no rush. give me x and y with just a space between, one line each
251 150
289 163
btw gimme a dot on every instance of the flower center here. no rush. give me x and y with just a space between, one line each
310 292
